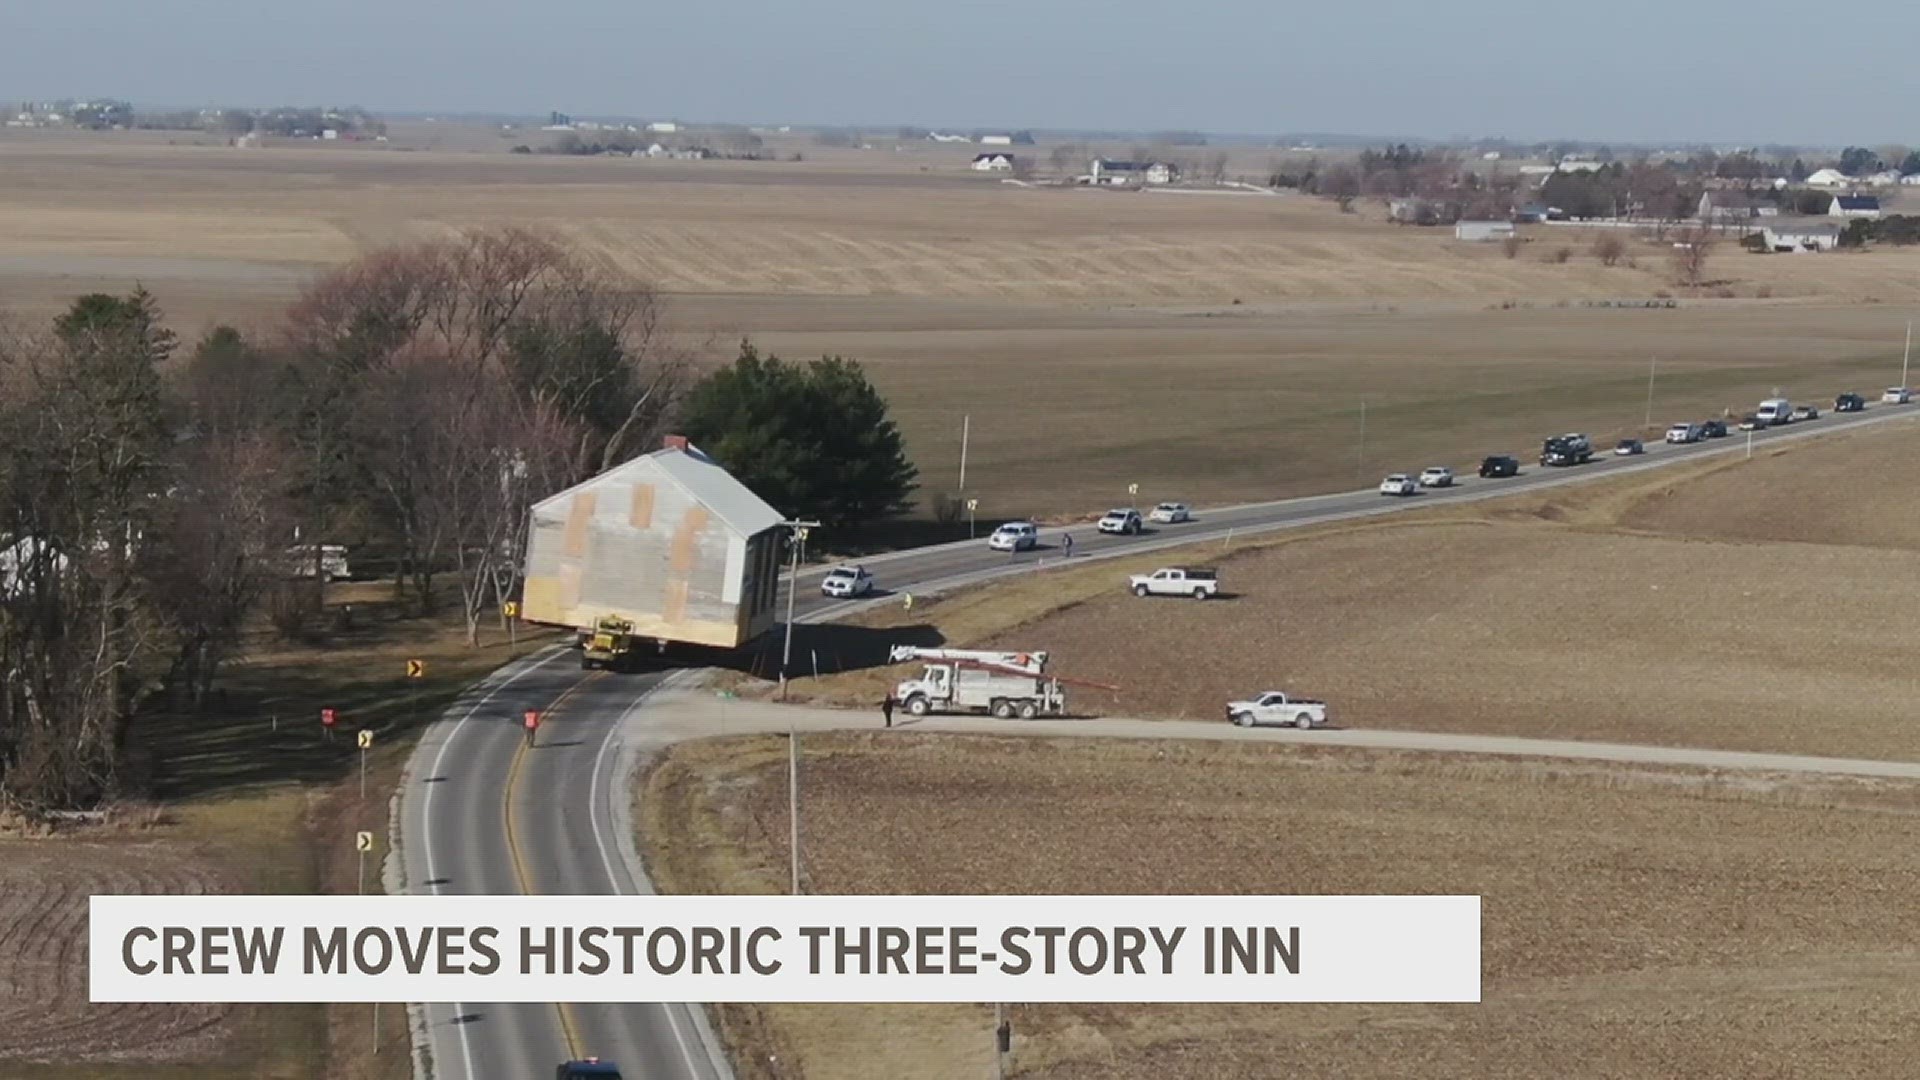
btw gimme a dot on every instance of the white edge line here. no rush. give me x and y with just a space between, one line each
426 820
606 861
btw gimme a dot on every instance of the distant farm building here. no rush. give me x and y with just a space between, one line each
1829 178
1418 211
1733 208
1800 235
993 162
996 140
1106 171
663 127
1854 206
1484 231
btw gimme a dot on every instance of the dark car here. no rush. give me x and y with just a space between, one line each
1500 465
1751 422
1849 403
588 1069
1629 447
1713 429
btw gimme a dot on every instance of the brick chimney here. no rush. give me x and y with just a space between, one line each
674 442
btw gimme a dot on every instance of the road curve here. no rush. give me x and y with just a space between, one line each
480 813
484 813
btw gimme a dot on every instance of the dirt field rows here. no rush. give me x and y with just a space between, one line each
1636 924
44 1011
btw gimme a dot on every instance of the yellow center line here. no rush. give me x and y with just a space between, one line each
565 1009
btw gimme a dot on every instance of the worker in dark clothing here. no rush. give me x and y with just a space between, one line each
1069 542
886 709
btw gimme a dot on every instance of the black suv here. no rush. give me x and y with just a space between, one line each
1500 465
588 1069
1849 403
1713 429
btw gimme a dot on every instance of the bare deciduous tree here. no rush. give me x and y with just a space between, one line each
1691 248
1609 249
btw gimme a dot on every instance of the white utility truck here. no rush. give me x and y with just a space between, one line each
1197 582
973 680
1274 707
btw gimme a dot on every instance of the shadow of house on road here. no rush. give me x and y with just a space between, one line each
826 649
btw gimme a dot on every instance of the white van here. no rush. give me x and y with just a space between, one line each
1775 411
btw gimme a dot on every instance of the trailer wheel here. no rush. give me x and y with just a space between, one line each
1002 708
917 705
1028 710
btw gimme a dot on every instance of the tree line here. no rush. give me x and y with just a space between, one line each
159 498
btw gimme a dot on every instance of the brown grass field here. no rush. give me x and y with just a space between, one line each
1091 336
1636 924
1763 605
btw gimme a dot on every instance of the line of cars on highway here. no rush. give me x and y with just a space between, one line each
1574 448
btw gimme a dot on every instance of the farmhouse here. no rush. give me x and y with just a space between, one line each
670 541
1106 171
1855 206
663 127
1829 178
1733 207
1800 235
996 140
998 161
1482 231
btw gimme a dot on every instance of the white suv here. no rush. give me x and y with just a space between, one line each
1170 513
1398 484
1438 476
1121 522
1015 536
846 582
1685 433
1897 395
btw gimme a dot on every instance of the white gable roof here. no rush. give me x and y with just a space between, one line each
700 477
730 500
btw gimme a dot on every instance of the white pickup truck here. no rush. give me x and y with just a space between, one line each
1201 584
1274 707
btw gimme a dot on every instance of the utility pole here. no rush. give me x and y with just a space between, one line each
793 804
966 422
797 535
1360 462
1652 364
1002 1040
1906 353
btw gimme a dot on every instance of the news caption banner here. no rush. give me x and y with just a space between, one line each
784 948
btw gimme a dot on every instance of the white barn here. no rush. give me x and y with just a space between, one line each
1483 231
993 162
1797 236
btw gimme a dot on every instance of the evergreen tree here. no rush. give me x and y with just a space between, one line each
813 441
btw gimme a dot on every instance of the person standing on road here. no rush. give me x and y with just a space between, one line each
886 709
1069 543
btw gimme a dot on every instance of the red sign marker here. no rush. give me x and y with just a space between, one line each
327 718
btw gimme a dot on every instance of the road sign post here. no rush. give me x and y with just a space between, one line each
512 611
1002 1040
972 505
362 843
328 718
365 739
1133 489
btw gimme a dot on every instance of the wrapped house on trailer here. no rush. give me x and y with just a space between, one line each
669 542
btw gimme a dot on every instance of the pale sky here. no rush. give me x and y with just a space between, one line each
1748 71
